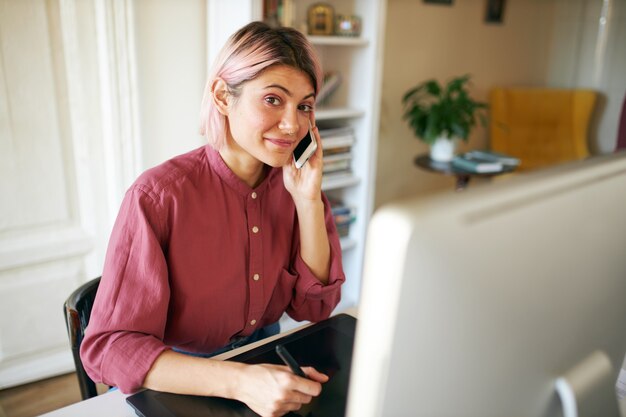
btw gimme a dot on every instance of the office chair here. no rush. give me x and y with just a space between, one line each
541 126
77 310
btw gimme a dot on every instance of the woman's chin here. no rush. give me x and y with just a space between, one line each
278 161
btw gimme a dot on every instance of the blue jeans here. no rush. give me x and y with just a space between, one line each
262 333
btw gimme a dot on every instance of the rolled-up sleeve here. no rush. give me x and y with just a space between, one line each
313 300
127 324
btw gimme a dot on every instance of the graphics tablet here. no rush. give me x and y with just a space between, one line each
327 346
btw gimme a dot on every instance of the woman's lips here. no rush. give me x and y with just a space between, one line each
283 143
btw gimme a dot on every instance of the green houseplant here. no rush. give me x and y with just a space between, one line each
439 115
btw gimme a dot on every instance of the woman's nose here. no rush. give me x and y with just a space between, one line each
289 123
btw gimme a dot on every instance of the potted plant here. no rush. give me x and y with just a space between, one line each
440 115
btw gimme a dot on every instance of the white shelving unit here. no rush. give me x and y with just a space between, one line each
356 103
338 40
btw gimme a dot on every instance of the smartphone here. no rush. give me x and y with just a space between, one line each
305 149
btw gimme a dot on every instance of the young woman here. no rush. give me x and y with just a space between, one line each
212 247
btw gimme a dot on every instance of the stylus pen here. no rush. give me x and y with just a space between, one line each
289 360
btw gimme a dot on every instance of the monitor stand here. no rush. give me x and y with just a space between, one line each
588 387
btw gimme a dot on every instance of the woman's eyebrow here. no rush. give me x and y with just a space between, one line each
280 87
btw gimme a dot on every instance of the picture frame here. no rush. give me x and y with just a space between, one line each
320 19
494 11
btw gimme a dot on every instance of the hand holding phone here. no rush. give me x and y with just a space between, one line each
305 149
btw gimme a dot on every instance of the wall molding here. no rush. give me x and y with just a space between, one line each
40 246
33 368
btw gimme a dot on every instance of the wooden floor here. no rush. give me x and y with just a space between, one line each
40 397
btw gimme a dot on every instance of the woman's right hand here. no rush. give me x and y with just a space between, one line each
273 390
269 390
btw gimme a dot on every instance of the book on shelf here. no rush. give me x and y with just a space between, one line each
336 151
337 138
475 164
334 157
493 157
337 175
336 131
332 81
337 141
329 178
336 166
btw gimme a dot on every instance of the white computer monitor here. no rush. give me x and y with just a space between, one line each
475 303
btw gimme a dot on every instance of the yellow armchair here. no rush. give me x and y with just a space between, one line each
540 126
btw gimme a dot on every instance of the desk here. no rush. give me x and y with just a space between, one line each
113 403
462 177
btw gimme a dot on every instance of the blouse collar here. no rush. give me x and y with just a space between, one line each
228 176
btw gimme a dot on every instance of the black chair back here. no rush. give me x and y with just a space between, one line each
77 310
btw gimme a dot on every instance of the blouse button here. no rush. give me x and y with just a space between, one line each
255 277
253 195
255 229
252 322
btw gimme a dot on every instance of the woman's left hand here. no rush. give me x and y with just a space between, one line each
305 183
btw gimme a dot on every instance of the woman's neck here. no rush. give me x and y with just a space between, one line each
246 167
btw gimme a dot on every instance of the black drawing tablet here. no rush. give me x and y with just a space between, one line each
327 346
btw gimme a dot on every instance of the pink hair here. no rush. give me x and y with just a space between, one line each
245 55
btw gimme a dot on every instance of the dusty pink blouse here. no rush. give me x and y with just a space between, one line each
197 258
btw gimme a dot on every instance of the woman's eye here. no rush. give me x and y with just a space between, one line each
272 100
306 108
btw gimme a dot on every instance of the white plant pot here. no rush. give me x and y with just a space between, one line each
443 149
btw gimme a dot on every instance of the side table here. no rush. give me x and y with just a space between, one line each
462 176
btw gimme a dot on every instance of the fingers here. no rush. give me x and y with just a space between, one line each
315 375
316 160
273 390
296 397
318 139
310 387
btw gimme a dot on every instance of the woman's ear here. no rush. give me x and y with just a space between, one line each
220 94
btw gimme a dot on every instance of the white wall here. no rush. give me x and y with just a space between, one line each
171 71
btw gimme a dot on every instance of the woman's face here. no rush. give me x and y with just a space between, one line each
271 115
